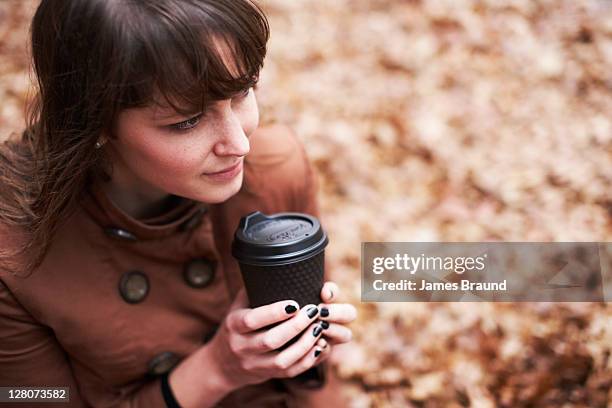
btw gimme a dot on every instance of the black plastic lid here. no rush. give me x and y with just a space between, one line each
277 239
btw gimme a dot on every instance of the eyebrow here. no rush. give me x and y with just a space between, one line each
171 113
190 112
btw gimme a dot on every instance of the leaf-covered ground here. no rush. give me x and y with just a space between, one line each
441 120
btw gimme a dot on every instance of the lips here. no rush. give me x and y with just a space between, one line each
226 170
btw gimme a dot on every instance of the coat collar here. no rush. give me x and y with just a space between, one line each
182 217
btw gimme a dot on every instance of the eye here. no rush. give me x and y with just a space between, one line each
188 124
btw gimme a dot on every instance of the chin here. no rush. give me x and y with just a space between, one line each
218 195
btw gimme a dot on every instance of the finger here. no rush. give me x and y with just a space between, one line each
337 312
313 357
337 334
325 353
280 334
248 320
322 343
329 292
293 353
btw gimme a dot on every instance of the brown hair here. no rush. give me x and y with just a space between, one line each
94 58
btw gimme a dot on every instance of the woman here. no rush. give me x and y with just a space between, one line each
119 204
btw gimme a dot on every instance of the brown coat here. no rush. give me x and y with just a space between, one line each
68 325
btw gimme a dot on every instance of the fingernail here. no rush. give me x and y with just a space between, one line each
317 352
290 309
324 324
317 330
324 312
331 294
312 311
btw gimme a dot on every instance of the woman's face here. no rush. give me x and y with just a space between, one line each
157 152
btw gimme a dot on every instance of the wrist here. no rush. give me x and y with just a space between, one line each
197 380
215 372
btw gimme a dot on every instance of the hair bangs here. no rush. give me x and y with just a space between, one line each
191 53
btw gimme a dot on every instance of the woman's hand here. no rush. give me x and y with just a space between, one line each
335 315
244 349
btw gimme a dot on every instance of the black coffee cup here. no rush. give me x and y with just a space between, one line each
281 256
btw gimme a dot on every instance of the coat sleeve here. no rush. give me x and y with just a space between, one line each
30 355
307 186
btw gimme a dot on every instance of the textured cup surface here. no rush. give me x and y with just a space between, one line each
301 281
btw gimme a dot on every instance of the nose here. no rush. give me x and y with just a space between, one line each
232 140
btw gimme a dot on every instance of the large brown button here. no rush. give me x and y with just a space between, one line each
199 272
120 234
163 362
209 335
194 220
134 286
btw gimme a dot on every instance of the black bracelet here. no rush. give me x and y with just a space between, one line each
171 402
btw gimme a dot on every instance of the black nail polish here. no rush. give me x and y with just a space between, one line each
290 309
324 312
317 352
312 312
317 330
324 324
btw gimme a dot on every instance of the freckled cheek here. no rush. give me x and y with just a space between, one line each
170 161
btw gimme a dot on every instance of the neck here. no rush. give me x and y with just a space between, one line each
136 200
142 207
